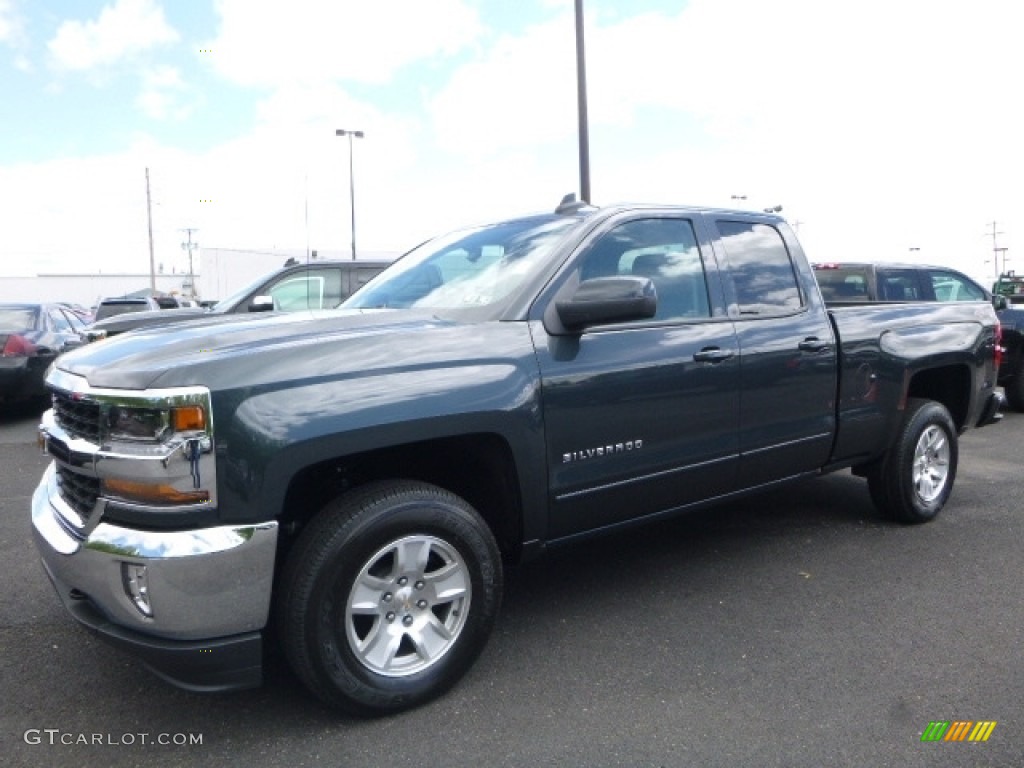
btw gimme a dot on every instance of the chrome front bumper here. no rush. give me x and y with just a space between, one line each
204 583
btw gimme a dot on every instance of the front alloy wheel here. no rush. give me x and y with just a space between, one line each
408 605
388 596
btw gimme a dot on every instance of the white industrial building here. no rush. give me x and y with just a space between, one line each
223 271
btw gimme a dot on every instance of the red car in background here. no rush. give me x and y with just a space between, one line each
31 337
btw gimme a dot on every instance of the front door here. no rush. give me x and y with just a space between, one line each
642 417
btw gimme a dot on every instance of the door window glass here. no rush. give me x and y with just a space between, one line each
949 286
60 323
663 250
761 269
899 285
315 289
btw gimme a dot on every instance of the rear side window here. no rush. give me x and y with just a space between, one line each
760 267
899 285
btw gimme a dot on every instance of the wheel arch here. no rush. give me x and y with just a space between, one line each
949 385
478 467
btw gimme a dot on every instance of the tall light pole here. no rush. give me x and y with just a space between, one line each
351 180
149 219
581 104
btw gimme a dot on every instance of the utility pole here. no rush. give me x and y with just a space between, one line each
190 246
995 249
149 218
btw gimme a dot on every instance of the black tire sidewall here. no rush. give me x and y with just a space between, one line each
1015 385
908 506
341 678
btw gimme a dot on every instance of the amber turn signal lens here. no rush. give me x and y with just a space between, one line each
188 418
152 493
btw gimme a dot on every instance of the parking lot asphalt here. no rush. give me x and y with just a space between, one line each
794 628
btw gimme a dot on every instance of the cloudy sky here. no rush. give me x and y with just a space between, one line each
880 126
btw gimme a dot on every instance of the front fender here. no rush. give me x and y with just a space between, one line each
273 435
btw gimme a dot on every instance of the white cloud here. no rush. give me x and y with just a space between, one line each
10 22
271 44
162 95
126 28
520 92
879 126
900 112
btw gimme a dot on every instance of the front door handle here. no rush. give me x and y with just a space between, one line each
813 344
713 355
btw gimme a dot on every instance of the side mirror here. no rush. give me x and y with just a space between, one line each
1000 302
607 300
261 304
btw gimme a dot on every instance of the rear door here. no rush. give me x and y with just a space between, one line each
642 417
787 351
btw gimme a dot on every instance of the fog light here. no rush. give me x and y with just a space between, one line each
136 586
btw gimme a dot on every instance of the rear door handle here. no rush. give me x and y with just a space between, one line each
712 355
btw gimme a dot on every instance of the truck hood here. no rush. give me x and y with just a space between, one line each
251 351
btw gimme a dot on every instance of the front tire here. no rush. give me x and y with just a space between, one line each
914 479
388 597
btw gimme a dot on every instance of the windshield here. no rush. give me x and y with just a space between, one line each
473 268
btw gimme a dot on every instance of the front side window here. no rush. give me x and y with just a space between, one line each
60 323
315 289
949 286
760 267
663 250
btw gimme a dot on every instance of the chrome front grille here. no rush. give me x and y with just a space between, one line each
79 491
79 418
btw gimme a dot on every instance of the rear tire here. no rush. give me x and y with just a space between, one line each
913 481
1015 386
388 597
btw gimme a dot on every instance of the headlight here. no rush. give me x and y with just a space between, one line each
149 424
153 424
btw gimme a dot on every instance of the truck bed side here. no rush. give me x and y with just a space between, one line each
890 352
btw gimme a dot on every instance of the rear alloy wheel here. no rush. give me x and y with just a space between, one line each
913 481
389 595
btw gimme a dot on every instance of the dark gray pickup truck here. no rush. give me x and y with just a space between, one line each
352 484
